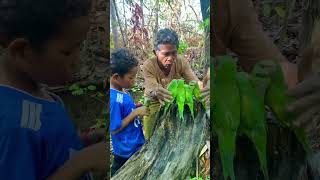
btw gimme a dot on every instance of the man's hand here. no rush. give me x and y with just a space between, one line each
205 94
268 67
264 68
290 72
162 94
307 105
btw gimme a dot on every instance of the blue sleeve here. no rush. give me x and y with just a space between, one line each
20 155
115 116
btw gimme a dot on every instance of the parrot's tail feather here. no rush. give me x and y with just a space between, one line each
227 152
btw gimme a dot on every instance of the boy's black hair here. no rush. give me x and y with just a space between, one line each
122 61
166 36
37 20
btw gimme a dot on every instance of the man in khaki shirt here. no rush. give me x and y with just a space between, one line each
157 77
161 70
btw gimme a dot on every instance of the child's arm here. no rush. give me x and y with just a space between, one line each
140 111
72 169
22 158
92 136
92 158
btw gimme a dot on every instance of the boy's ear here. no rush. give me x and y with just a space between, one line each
115 76
20 49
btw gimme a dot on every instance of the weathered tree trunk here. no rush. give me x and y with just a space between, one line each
205 4
311 14
125 21
95 54
119 23
156 26
142 17
172 150
114 26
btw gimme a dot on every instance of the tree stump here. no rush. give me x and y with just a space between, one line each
171 151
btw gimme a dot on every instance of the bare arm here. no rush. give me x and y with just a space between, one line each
73 169
251 43
126 121
140 111
93 136
92 158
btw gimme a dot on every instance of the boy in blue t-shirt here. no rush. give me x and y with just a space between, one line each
126 129
39 44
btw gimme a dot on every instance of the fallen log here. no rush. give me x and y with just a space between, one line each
172 149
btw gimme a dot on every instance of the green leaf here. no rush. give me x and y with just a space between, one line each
99 94
78 92
74 86
205 24
92 88
195 178
162 17
182 47
280 11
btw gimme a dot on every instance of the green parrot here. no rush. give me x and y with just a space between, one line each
253 118
196 92
172 87
189 99
196 89
261 84
226 111
277 100
181 97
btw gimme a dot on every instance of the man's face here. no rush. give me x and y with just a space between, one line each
59 59
167 54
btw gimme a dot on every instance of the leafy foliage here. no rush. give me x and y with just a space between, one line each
76 90
182 47
200 178
205 24
268 8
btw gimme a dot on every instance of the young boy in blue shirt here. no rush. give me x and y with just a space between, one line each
39 44
126 129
